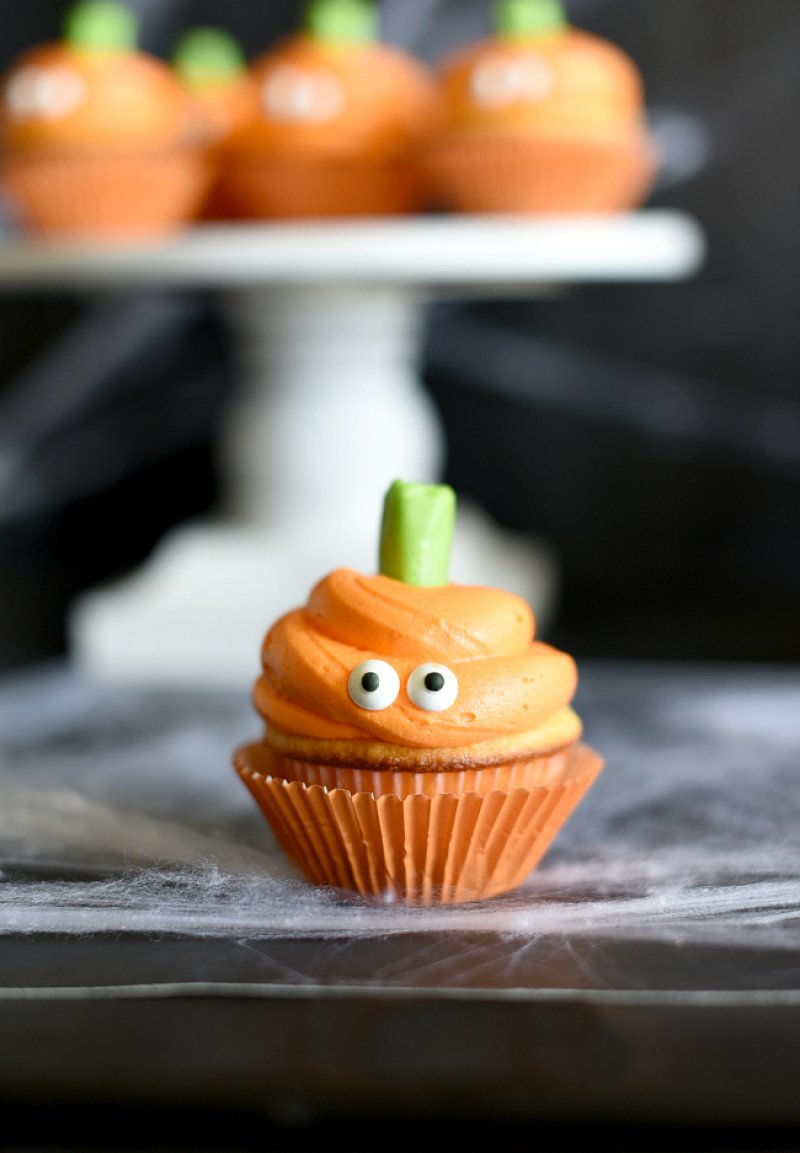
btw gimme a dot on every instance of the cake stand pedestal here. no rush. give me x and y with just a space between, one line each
329 412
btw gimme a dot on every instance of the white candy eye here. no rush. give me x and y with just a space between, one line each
496 83
44 93
301 96
373 685
432 687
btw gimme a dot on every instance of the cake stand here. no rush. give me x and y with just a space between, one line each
329 411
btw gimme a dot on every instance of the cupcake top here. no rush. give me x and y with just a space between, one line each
406 657
538 72
334 89
211 66
92 88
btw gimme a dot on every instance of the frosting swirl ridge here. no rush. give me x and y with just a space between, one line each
508 682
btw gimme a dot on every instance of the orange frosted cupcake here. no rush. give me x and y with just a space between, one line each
419 744
94 134
541 117
337 120
213 70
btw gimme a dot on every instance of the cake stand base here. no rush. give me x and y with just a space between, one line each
329 410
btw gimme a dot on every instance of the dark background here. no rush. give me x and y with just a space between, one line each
651 433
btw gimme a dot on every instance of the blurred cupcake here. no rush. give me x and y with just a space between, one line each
419 745
337 120
95 134
541 117
213 70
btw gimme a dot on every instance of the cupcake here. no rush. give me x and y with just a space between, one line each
94 133
419 746
337 120
540 117
213 70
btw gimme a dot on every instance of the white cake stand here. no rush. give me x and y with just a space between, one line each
330 410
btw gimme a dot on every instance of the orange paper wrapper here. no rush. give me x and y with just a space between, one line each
117 196
558 175
459 840
267 188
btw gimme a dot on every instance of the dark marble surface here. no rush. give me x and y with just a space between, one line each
649 969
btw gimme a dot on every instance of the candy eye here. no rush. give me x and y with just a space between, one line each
432 687
301 96
373 685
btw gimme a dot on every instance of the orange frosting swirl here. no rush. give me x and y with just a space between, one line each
508 683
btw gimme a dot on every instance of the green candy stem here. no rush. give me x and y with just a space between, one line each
524 19
101 26
204 57
342 21
417 533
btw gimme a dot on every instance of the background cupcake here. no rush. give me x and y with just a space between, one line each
95 134
337 120
212 68
419 745
541 117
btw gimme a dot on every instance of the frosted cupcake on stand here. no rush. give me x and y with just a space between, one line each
95 135
540 117
337 121
212 68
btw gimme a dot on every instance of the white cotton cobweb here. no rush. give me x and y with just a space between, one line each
120 812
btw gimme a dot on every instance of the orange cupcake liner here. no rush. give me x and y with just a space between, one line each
447 845
268 188
547 175
116 196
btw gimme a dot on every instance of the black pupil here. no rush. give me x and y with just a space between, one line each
434 682
370 682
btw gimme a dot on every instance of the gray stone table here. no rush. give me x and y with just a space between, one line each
156 948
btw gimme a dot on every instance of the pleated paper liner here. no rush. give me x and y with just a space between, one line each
114 195
545 176
263 188
420 848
